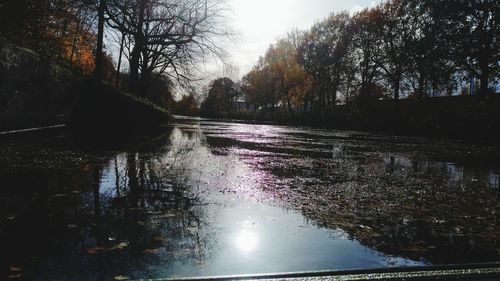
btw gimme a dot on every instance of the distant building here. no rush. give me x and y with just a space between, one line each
473 86
240 104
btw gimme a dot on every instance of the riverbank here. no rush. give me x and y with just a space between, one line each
102 112
461 117
37 92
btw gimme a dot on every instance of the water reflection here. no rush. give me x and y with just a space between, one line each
404 196
208 198
247 240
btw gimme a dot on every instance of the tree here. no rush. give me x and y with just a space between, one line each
323 53
220 98
366 28
187 105
258 87
430 67
167 36
61 30
100 39
290 81
396 32
471 34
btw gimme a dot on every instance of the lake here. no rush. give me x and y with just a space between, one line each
206 197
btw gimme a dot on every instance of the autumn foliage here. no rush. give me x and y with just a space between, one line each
395 50
61 30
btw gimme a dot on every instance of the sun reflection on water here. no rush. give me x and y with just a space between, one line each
247 240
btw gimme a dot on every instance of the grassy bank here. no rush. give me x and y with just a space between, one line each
104 109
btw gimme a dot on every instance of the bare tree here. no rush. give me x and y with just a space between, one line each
168 37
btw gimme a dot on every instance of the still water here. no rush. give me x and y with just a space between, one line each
207 198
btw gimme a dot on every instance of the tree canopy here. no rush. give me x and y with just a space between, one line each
394 50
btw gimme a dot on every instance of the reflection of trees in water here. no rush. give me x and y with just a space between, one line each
87 220
417 211
149 208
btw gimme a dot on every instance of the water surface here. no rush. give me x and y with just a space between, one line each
216 198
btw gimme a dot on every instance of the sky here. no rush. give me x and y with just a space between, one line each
259 23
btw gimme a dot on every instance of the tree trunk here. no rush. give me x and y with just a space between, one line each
136 51
100 37
421 88
483 90
120 61
145 74
75 41
397 85
290 107
134 69
484 59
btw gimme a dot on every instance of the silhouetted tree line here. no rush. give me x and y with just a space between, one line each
397 49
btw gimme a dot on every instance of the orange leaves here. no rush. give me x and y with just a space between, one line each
78 48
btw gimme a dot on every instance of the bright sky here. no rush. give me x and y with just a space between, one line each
260 22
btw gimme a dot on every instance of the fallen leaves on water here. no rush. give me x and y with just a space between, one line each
120 278
141 223
72 226
169 215
415 249
181 253
151 251
15 276
60 195
93 251
160 239
15 269
119 246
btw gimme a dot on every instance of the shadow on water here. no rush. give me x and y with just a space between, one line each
208 198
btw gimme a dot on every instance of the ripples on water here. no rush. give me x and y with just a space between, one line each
211 198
